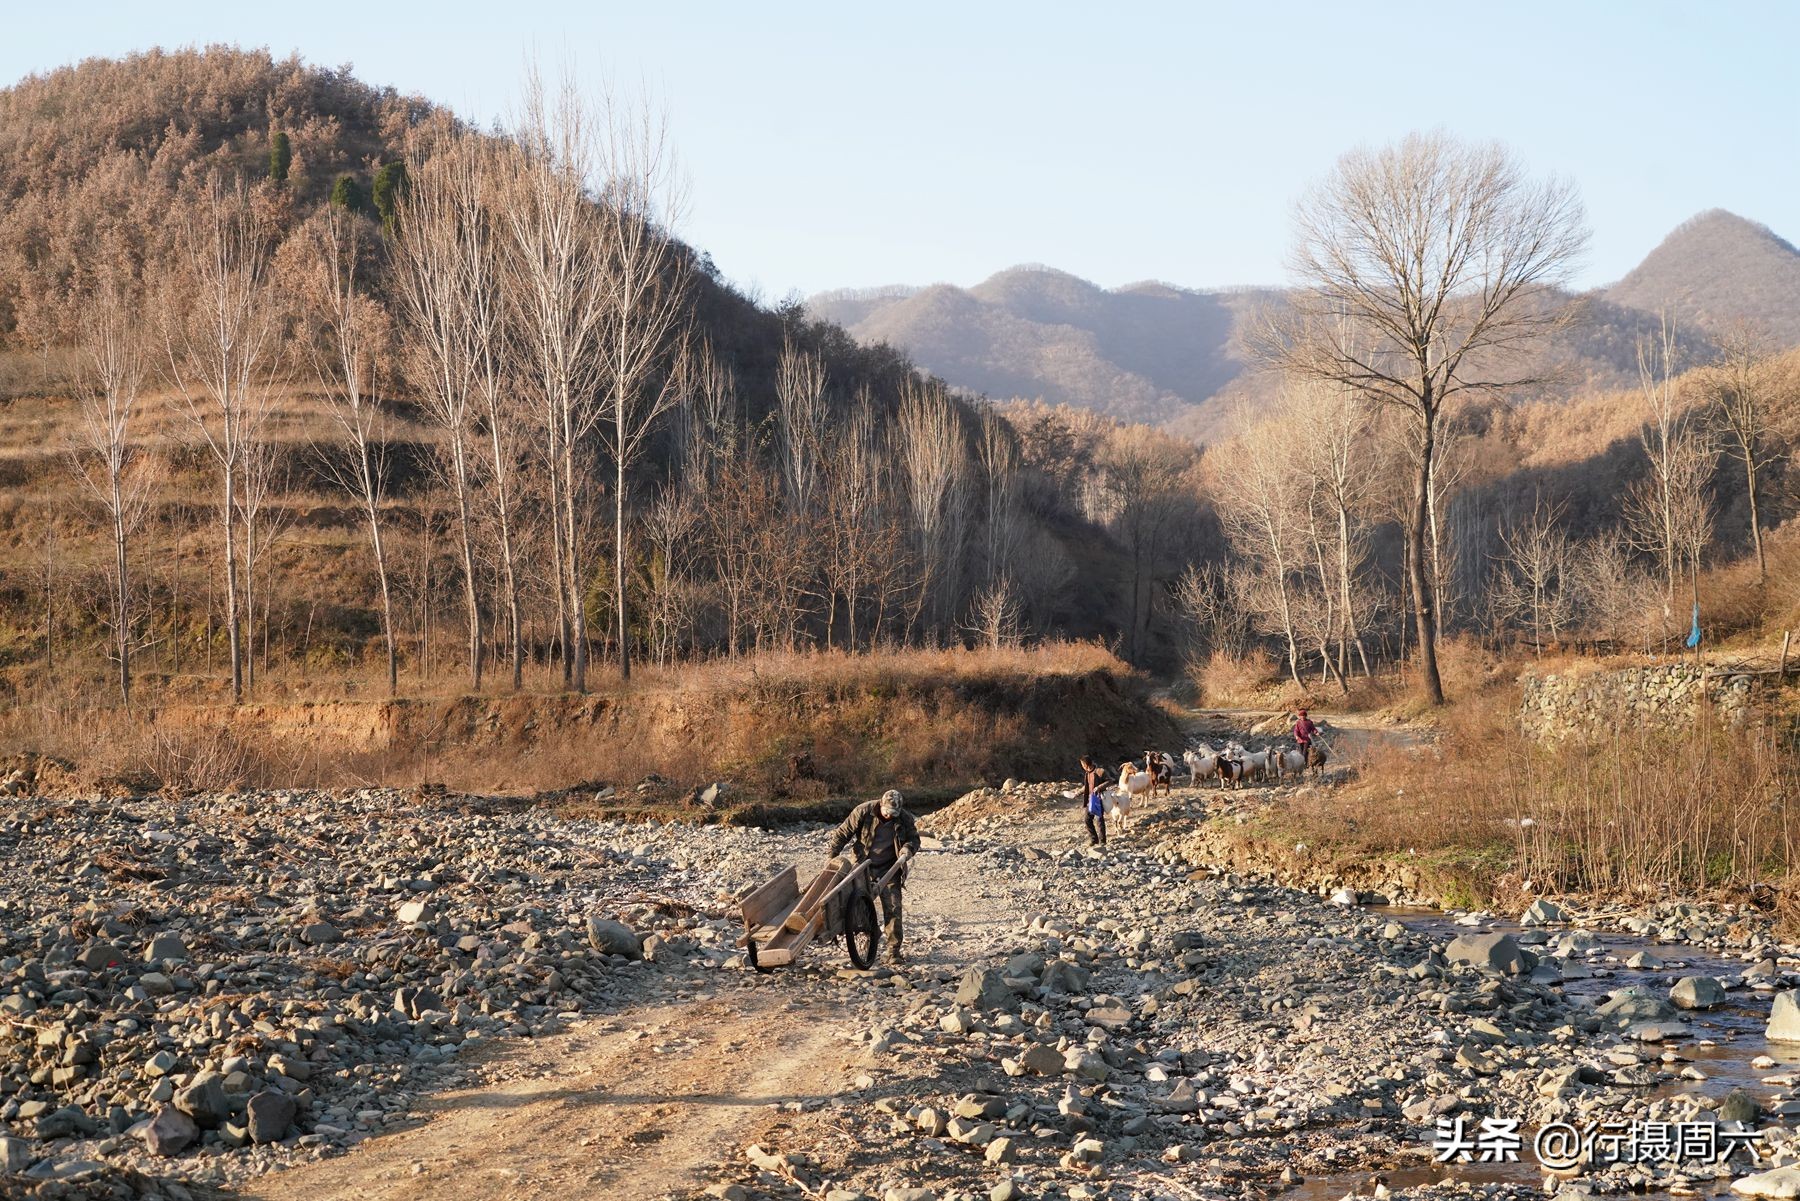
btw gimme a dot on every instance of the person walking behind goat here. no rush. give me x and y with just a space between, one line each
1304 732
884 833
1093 780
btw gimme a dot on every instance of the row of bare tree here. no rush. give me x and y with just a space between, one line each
529 306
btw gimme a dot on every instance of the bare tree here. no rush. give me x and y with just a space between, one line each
800 425
1423 266
929 445
440 236
559 292
670 525
108 452
1534 584
1616 599
647 284
1255 488
501 410
998 449
1741 388
263 521
1142 473
1204 598
1668 512
858 542
1330 428
219 338
348 341
994 617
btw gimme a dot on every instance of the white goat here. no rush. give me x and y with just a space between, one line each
1201 762
1261 764
1133 780
1118 809
1289 762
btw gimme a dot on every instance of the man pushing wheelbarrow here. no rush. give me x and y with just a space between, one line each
885 834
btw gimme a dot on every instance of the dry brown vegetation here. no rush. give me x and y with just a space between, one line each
1487 816
788 733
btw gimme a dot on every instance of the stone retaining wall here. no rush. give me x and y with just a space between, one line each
1560 705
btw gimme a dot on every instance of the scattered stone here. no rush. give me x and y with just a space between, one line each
614 938
268 1116
1784 1019
1542 912
1488 952
170 1132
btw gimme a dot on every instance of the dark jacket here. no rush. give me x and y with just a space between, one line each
1305 731
859 828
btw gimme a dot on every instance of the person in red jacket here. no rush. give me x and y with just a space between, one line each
1304 732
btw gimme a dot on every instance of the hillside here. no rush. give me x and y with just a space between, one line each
1168 355
1716 269
100 164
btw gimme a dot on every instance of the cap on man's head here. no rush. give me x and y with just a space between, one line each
891 800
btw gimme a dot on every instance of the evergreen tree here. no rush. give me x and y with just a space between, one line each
349 194
281 156
390 181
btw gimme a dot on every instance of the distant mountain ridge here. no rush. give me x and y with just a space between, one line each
1171 356
1717 269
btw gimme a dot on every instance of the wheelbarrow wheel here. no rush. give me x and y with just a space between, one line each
862 937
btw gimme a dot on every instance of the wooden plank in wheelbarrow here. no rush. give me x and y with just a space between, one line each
808 905
770 903
784 946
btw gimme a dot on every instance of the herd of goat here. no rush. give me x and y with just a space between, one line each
1231 765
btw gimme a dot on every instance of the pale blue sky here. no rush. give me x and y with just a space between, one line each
834 145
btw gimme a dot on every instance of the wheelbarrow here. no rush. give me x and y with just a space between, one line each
780 920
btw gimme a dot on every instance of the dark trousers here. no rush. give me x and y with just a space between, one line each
889 899
1096 828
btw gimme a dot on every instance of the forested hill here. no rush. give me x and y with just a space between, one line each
952 525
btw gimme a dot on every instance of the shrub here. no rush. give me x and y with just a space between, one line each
1226 679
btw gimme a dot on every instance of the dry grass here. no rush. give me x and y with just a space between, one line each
791 733
1691 809
1228 681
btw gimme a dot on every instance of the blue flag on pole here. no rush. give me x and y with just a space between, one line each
1693 638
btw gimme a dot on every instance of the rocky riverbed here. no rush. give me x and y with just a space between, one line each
294 994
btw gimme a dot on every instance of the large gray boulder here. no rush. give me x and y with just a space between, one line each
1490 953
1062 976
1784 1018
165 946
1631 1006
1778 1183
15 1153
1697 992
614 938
